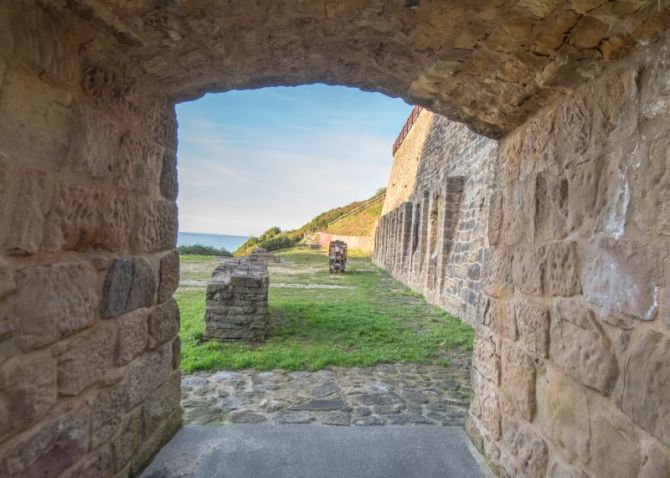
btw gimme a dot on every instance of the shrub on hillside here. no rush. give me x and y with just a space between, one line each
271 240
203 250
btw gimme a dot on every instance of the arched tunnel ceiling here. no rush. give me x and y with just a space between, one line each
487 63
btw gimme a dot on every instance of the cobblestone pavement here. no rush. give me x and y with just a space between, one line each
398 394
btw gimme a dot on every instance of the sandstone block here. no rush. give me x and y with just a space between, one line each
28 390
168 276
502 319
7 281
161 403
498 282
655 461
563 414
588 32
529 451
485 405
495 220
627 271
133 336
561 269
647 384
95 465
532 321
486 357
615 449
107 413
551 201
580 347
163 323
4 180
147 373
51 448
130 284
155 226
518 211
28 100
26 230
86 360
584 177
54 301
127 442
527 268
518 380
168 179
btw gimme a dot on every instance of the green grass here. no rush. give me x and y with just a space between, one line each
378 320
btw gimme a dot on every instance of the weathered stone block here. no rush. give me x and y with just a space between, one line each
237 301
42 119
580 347
133 336
86 360
561 269
7 281
54 301
624 278
518 211
161 403
532 321
495 220
485 405
97 464
527 269
615 449
51 448
168 180
502 319
163 323
563 414
146 373
107 413
130 284
529 451
551 211
518 380
168 276
155 226
647 384
28 390
26 230
498 282
127 442
486 357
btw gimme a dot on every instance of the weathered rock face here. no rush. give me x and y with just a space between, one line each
237 301
576 231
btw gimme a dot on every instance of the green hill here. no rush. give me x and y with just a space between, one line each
357 218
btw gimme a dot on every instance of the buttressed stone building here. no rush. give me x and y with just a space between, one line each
552 236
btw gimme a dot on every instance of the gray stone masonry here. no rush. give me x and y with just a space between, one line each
237 301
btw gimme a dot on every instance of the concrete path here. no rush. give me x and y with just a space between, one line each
294 451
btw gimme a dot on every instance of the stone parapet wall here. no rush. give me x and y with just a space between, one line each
237 301
432 234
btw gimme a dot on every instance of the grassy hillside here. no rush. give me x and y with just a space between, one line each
357 218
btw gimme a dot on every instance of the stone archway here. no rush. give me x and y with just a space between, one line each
573 344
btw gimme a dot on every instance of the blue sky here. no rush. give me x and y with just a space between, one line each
252 159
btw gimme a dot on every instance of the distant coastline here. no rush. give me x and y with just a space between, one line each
228 242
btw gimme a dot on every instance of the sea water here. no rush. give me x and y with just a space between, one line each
230 243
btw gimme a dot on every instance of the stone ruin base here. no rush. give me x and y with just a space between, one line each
261 255
237 301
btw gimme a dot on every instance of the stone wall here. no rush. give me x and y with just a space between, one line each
432 235
571 372
89 353
573 343
237 300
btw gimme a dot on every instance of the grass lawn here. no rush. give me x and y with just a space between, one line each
370 319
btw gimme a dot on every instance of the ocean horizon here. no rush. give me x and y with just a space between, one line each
227 241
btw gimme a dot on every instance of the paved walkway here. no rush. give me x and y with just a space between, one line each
298 451
399 394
